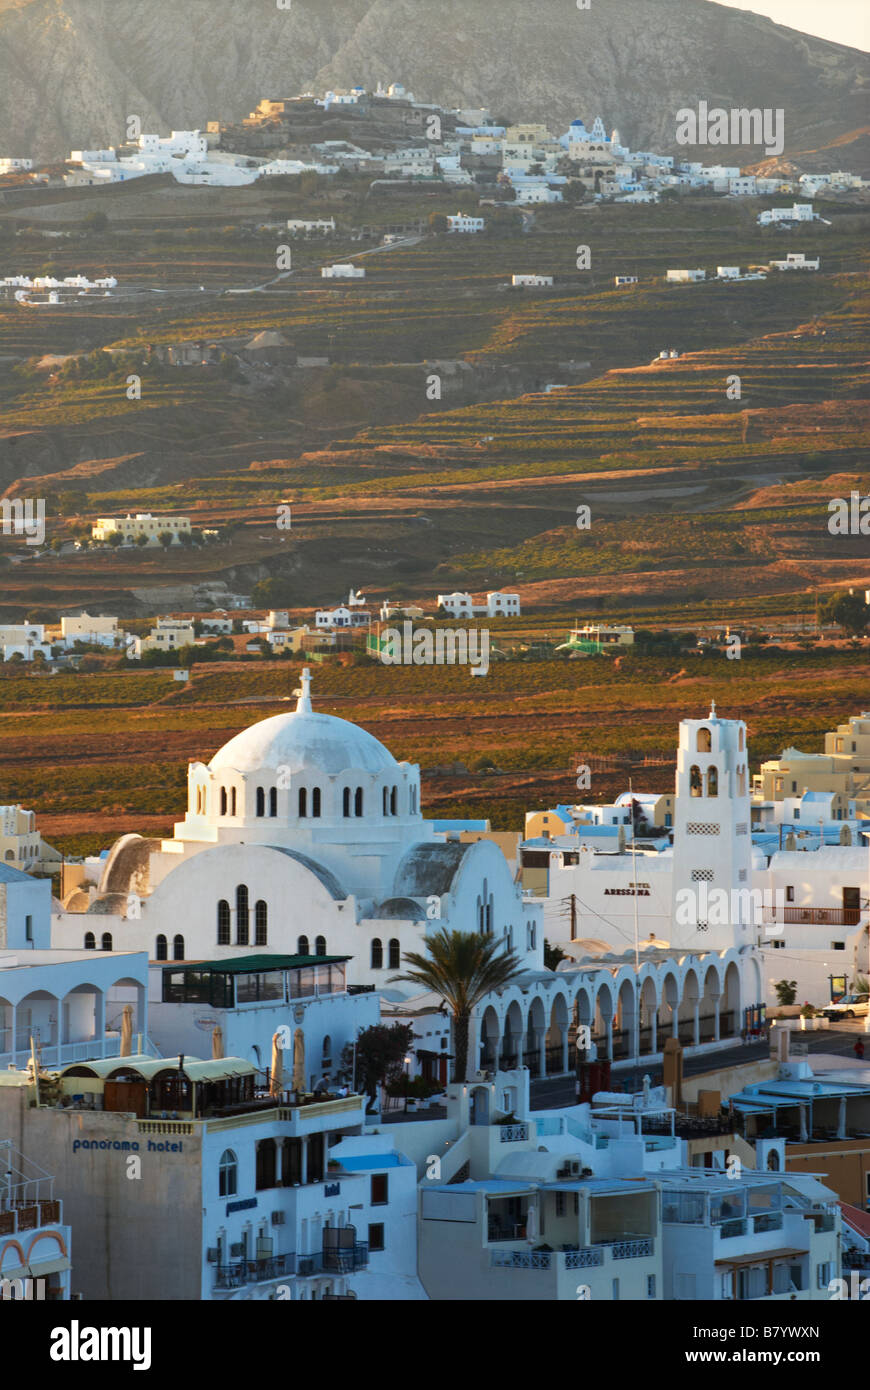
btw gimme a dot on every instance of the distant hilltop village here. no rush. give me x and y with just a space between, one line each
396 139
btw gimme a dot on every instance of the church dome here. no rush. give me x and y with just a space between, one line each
303 741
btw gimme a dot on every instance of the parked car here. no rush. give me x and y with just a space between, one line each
850 1006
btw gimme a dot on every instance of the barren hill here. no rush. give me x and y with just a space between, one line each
71 71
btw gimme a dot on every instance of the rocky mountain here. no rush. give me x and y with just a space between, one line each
71 71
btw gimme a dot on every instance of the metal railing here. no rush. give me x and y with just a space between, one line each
241 1272
513 1134
631 1249
819 916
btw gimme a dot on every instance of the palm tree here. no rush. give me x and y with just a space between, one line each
462 967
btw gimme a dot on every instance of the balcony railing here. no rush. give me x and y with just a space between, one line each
729 1229
819 916
241 1272
768 1221
344 1260
632 1249
514 1134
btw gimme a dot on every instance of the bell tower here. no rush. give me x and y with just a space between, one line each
712 906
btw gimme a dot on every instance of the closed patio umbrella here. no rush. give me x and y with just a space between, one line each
217 1042
299 1060
127 1031
276 1080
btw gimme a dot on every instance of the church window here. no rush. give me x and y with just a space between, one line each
377 954
394 956
303 802
223 801
107 941
393 795
385 796
741 781
241 915
261 802
90 941
223 923
160 950
320 945
696 786
315 802
741 740
346 801
302 946
178 948
233 801
712 781
358 802
705 741
273 802
261 924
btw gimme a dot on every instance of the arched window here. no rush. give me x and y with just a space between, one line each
241 915
412 800
223 801
326 1059
696 785
741 781
377 954
178 948
315 802
303 802
345 801
223 923
302 946
385 797
393 795
772 1161
106 942
358 802
160 949
273 802
228 1174
741 742
394 956
705 741
90 941
320 946
10 854
712 781
233 801
261 924
261 802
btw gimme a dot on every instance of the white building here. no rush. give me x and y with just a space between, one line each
624 280
142 524
498 604
316 226
743 186
728 272
302 832
798 212
685 277
98 631
35 1244
343 272
21 844
11 165
170 635
796 260
464 222
24 640
531 281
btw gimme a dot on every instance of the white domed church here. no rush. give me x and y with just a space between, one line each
303 835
